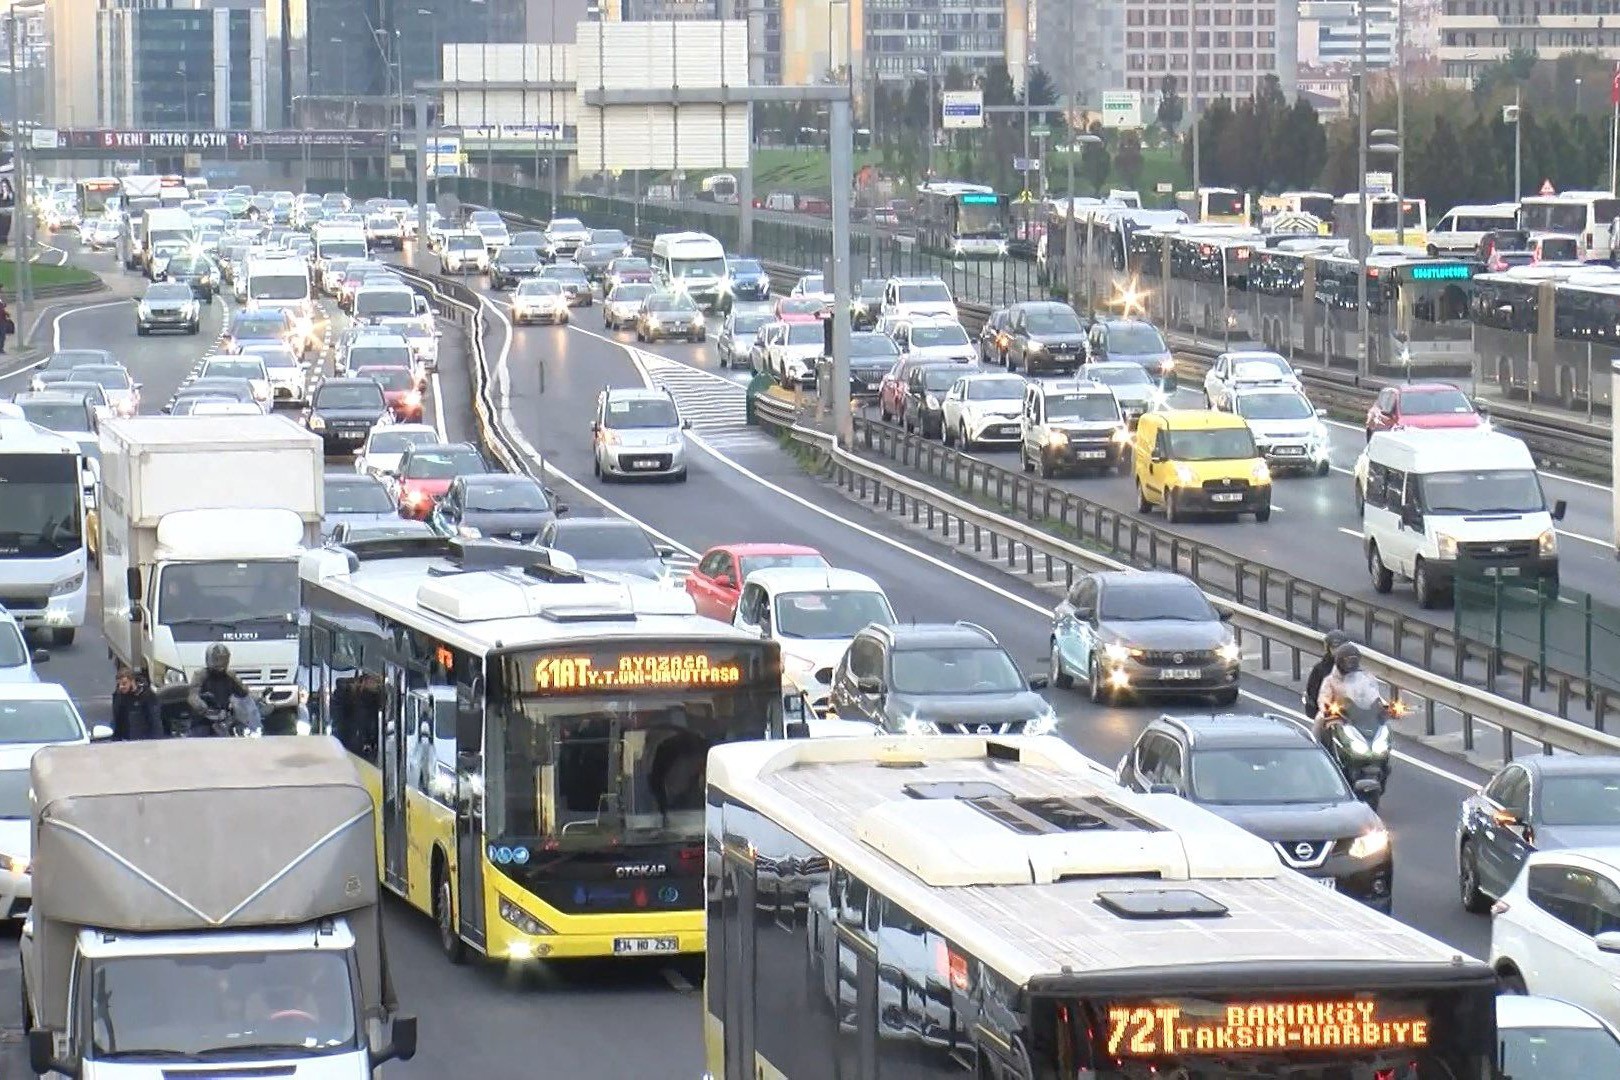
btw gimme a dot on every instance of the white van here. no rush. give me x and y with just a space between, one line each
1463 227
1587 214
281 283
694 263
1433 502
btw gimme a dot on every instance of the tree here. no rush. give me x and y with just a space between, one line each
1302 141
1171 107
1128 158
1095 163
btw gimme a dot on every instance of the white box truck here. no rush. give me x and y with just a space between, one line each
164 232
203 521
206 908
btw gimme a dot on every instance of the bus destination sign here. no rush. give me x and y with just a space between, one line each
1181 1026
564 674
1440 272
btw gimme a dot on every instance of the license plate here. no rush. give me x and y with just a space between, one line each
1091 455
1179 673
1330 884
1289 451
644 946
1227 496
873 385
1504 571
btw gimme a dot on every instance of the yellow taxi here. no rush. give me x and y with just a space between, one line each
1197 461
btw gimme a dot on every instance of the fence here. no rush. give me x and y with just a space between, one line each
1563 628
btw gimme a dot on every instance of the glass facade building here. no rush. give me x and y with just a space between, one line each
172 68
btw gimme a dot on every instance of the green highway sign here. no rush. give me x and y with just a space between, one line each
1041 131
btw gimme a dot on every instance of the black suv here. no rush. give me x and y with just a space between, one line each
1270 775
343 411
937 678
1044 336
513 264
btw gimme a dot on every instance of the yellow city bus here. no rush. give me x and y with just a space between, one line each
534 738
1383 217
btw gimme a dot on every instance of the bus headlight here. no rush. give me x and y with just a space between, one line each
521 920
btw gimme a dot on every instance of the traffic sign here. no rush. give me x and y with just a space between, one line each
1547 189
961 109
1024 164
1041 131
1163 187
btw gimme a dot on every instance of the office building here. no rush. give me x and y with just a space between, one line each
1082 48
1238 43
898 38
181 67
667 10
1330 33
764 19
1477 34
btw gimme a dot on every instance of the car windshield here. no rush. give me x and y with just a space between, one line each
609 237
1097 406
234 369
190 266
627 263
1045 321
222 1006
831 615
871 345
278 286
671 303
379 356
188 404
805 559
357 495
514 496
982 669
395 442
748 324
464 242
518 256
630 294
1260 369
56 415
812 283
871 289
799 305
995 389
1495 491
539 287
68 359
109 378
1135 339
745 266
928 292
168 293
938 336
259 326
1449 401
14 788
1581 799
939 380
566 224
390 378
1554 1053
641 413
93 391
1119 375
274 357
367 395
1134 603
37 721
568 275
805 334
1274 407
604 540
1214 444
443 464
1266 774
382 303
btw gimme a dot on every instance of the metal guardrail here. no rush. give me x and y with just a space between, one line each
1037 552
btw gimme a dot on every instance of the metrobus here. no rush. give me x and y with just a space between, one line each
1587 214
1383 218
719 188
1549 333
97 193
534 739
1298 205
1002 909
42 550
1215 206
961 220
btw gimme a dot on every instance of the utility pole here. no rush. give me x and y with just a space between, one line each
553 128
841 130
421 172
1400 121
1518 143
1363 360
1192 97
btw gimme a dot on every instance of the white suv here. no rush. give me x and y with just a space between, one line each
1556 932
983 409
919 298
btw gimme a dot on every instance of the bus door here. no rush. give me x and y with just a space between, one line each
396 737
738 892
469 797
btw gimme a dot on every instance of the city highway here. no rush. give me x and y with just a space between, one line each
925 581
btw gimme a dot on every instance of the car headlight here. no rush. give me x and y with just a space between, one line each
1445 545
412 399
316 423
1230 652
1117 653
1166 366
697 318
1057 438
1185 474
1319 434
1122 434
910 725
1042 724
1260 473
145 312
174 677
1548 542
1370 843
1035 347
191 308
15 864
67 585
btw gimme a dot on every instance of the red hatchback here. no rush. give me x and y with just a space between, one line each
800 309
1422 405
715 584
425 471
399 390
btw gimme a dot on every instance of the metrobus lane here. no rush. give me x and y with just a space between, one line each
479 1019
756 492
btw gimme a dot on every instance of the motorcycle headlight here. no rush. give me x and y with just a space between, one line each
1353 736
1370 843
1548 542
1445 545
910 725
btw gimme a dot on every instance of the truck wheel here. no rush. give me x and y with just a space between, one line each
444 913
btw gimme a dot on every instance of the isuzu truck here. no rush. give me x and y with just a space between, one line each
206 908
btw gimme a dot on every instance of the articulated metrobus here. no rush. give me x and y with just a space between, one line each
95 193
535 741
1001 909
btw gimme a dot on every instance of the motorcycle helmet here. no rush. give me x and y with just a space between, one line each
218 658
1347 658
1333 640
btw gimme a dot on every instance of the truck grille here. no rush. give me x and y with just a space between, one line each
1498 551
264 676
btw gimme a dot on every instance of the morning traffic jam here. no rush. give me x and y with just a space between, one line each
358 619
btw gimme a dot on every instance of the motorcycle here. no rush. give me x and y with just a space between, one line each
1358 737
247 718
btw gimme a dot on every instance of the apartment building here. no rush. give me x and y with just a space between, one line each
1236 44
1476 34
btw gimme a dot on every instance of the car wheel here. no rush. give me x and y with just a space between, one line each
1263 515
1142 504
141 331
1429 592
1324 467
1060 678
1474 900
1383 579
1096 689
1172 513
444 913
1047 471
962 437
948 437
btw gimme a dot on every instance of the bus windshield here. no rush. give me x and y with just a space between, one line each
979 219
606 745
42 518
1384 214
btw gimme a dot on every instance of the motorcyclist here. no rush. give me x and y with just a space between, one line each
214 692
1347 683
1313 684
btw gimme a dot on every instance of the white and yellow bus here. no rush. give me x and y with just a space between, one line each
534 739
1383 218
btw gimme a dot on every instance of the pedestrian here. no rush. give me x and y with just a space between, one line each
135 710
7 327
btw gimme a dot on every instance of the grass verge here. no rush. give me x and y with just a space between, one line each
44 276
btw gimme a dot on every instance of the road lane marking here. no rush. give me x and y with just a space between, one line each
1352 532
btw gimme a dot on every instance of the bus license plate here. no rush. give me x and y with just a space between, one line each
1179 673
644 946
1227 496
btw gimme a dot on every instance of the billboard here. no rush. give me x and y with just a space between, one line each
961 109
1122 108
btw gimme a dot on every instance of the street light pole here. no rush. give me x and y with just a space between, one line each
1518 143
554 128
1400 120
1192 97
1363 360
